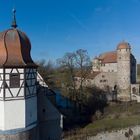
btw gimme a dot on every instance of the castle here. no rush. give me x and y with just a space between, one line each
116 71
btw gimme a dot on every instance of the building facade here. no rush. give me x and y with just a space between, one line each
116 69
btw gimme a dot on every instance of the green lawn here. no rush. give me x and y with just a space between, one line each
107 124
115 117
137 137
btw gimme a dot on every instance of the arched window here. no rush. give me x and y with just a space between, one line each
134 90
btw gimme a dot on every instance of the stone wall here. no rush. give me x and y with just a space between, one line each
117 135
123 74
27 135
109 67
96 65
104 80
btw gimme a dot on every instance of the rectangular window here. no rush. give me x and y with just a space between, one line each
14 80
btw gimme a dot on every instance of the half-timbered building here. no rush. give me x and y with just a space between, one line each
21 113
18 72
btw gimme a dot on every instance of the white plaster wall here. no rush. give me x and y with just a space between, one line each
1 115
1 76
7 76
1 70
31 110
1 82
8 70
21 76
1 93
14 114
21 70
14 92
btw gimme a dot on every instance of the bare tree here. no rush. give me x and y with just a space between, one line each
46 69
67 62
75 64
83 64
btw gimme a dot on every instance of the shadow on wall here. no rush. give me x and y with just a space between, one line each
50 119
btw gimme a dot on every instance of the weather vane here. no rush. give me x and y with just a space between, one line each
14 24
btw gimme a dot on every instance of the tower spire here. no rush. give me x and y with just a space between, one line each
14 24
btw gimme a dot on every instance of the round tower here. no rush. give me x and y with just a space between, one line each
18 100
123 71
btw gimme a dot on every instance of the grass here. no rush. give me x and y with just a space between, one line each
107 124
137 137
115 117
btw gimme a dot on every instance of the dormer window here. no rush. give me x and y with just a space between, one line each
14 80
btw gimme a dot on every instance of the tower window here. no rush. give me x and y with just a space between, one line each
103 76
101 81
14 80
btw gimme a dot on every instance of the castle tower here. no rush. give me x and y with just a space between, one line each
96 64
18 100
123 71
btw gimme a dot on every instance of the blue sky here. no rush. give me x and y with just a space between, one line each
58 26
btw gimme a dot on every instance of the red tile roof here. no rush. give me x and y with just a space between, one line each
123 45
109 57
